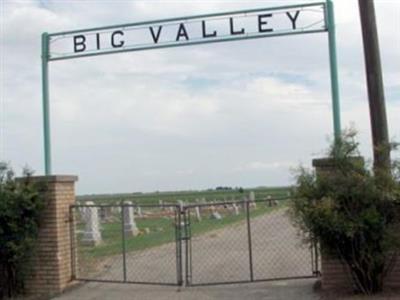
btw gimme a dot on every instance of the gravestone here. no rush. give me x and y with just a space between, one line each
203 201
180 203
215 215
82 213
130 228
105 214
235 209
139 211
252 197
92 234
197 211
115 211
161 204
271 202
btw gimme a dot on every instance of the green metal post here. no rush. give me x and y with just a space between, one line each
45 95
333 68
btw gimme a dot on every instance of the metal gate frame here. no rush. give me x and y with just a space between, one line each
183 242
178 244
314 247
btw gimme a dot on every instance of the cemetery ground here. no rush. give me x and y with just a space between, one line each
155 226
153 249
160 231
217 255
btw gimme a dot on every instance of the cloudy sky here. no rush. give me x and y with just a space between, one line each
237 114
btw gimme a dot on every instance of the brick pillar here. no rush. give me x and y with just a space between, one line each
335 275
52 271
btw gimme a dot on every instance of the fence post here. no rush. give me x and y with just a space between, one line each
188 249
178 246
73 241
249 241
123 240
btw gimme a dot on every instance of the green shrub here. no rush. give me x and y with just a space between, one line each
20 207
352 212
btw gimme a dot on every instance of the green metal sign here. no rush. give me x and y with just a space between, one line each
185 31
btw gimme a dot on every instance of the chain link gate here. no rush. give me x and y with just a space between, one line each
195 244
127 243
245 241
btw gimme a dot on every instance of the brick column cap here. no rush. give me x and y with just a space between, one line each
51 178
327 162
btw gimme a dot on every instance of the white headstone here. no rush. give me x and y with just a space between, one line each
82 212
114 210
92 234
253 204
198 216
236 209
129 220
180 203
269 201
215 214
139 211
252 197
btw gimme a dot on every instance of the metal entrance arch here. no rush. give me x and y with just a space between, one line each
90 42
